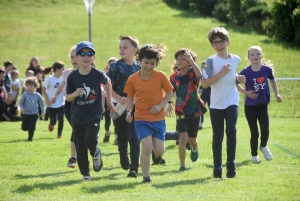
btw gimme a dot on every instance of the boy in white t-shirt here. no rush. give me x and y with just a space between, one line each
220 74
56 109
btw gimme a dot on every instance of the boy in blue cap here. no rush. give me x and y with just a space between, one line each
84 91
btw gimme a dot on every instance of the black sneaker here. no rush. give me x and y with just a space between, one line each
71 162
231 169
124 161
187 146
147 180
158 160
106 139
132 173
217 172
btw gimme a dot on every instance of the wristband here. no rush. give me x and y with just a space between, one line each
170 102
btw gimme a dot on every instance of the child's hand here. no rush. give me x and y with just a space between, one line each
155 109
251 94
78 92
53 99
226 68
123 100
48 102
111 107
188 57
129 117
169 110
241 79
23 110
279 99
43 114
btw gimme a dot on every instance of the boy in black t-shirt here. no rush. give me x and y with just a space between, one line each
84 91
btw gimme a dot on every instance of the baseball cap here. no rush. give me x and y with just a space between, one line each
85 44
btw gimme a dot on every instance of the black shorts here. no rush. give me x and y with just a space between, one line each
188 125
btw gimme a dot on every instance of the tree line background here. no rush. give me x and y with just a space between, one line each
279 19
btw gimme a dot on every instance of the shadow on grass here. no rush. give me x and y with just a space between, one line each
19 176
45 186
24 140
171 146
238 164
286 150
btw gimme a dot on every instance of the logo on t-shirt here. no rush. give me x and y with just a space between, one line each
87 96
259 83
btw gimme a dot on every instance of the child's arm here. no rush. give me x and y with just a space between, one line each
196 69
108 90
210 81
129 106
251 94
157 108
275 89
72 96
46 96
21 104
60 88
42 105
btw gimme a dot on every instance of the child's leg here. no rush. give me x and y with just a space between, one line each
60 118
31 126
251 116
91 137
172 135
52 115
217 122
68 116
134 146
81 149
182 148
263 118
231 115
145 155
25 122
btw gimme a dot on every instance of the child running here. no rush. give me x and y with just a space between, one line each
119 73
84 91
29 104
257 99
62 88
189 106
220 74
147 86
56 109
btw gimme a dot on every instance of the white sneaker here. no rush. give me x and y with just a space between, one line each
267 153
86 178
255 159
97 162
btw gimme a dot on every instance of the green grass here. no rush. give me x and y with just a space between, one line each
36 170
47 29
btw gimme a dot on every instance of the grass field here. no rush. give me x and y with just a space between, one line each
47 29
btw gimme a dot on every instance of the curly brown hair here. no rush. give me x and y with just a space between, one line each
180 52
32 81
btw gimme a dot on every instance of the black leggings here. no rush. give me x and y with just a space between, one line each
107 118
28 124
57 114
253 114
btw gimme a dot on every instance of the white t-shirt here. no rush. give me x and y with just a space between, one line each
15 86
51 84
223 92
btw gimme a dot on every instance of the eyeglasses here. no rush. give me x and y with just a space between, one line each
219 42
89 54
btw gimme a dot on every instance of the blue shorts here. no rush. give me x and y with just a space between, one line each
144 128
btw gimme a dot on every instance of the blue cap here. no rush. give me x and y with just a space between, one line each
85 44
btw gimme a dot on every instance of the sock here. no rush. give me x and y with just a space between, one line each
193 149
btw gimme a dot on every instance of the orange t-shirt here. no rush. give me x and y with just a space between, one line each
148 93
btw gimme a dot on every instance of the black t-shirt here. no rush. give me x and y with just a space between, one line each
87 106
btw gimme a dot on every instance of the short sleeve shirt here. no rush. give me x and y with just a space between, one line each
87 106
258 82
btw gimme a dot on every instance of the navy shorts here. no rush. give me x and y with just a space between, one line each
188 125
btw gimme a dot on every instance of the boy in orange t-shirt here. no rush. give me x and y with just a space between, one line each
147 86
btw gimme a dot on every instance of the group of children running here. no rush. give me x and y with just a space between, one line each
142 96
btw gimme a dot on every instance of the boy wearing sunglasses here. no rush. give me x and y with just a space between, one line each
84 91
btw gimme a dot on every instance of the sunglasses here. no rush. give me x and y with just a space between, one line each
83 54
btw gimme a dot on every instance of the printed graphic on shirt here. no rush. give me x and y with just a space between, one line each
56 85
87 96
259 83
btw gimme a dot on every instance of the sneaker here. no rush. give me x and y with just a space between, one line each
217 173
182 169
255 159
194 155
187 146
231 169
158 160
147 180
177 142
72 162
97 162
50 127
132 173
116 142
124 161
58 137
106 139
267 153
200 127
86 178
